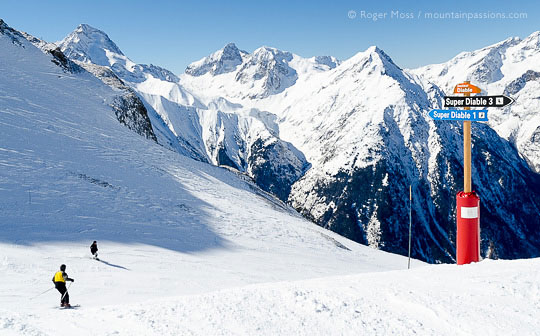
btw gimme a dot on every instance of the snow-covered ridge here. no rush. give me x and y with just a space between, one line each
238 75
347 137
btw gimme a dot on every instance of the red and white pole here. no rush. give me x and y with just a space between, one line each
468 206
468 228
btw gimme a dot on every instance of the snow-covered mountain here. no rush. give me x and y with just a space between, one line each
363 126
208 131
512 68
76 174
341 141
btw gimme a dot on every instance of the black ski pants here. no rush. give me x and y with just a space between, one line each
61 287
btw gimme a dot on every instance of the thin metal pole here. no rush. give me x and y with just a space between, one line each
67 289
410 224
41 293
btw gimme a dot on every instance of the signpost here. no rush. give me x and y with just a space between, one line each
478 101
468 232
468 203
471 115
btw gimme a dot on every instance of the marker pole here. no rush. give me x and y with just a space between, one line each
467 152
410 224
468 207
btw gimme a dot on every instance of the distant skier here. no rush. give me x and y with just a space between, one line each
59 280
94 249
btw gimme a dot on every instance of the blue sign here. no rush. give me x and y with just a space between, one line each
472 115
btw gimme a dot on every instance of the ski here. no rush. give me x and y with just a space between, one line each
70 307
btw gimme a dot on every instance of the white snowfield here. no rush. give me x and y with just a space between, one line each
191 249
488 298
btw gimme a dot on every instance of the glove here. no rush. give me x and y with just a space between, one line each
72 280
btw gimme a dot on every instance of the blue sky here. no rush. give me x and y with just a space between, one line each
173 34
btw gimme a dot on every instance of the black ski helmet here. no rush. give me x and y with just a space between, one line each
62 267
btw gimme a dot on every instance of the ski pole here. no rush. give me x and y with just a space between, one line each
67 289
41 293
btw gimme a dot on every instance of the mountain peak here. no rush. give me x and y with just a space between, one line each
222 61
231 46
265 49
373 57
381 54
88 44
265 55
532 41
86 27
270 69
272 52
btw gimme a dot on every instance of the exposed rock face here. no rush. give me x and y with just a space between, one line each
62 61
130 111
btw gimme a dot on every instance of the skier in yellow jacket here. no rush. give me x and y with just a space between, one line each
59 280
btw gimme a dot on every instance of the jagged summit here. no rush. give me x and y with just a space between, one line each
371 52
372 60
90 45
384 56
230 48
222 61
269 68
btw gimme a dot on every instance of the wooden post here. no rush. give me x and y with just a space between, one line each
467 188
467 202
